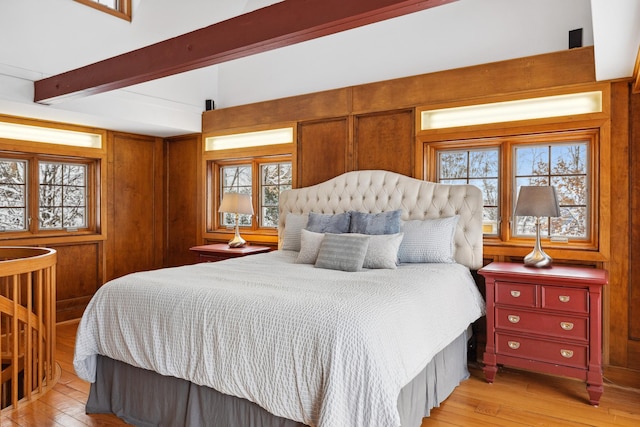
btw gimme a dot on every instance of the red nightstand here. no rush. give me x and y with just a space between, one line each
222 251
547 320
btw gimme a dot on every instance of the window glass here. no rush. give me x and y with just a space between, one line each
13 195
564 166
275 177
479 167
262 179
236 179
119 8
62 195
112 4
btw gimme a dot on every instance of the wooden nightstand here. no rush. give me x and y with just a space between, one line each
222 251
547 320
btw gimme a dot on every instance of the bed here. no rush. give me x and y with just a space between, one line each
324 332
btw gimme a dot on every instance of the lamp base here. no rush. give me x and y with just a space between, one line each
537 258
237 241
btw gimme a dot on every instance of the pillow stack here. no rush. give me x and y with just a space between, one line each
351 241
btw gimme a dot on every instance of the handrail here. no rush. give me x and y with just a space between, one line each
27 322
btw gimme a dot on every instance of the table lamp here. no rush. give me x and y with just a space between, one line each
237 204
537 201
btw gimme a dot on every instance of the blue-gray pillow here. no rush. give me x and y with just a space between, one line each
324 223
344 252
429 240
375 223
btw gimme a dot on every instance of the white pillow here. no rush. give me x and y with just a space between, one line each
429 240
293 224
309 247
382 251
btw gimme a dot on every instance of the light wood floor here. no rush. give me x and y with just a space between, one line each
515 399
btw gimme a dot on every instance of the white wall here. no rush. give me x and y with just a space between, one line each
450 36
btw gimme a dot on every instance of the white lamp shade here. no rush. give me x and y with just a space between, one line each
236 203
538 201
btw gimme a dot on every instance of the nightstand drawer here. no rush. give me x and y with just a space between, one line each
519 294
565 299
550 325
545 351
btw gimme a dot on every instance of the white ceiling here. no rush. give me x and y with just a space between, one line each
42 38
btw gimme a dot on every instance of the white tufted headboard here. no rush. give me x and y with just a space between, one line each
374 191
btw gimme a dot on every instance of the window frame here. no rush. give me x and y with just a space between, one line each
58 150
32 185
213 221
123 11
506 144
479 146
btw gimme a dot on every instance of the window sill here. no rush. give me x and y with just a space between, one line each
44 240
557 252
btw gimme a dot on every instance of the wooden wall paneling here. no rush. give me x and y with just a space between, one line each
616 296
321 105
385 140
182 159
634 192
323 150
78 277
563 68
135 208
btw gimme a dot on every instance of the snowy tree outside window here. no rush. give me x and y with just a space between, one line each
559 159
275 177
564 166
13 195
63 195
478 167
236 179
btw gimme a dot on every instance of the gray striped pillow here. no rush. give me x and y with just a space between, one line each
344 252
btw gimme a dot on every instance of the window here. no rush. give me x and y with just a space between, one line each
478 167
53 191
63 196
119 8
275 178
13 195
236 179
499 166
266 177
564 166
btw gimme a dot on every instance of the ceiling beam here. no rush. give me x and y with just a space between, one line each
281 24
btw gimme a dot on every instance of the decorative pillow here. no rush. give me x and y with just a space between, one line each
344 252
293 225
322 223
309 247
375 223
382 251
430 240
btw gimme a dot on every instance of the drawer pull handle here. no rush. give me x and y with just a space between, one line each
513 318
514 345
515 294
566 353
564 298
567 326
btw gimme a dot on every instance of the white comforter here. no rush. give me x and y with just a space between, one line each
323 347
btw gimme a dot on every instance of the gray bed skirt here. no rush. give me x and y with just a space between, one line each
144 398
